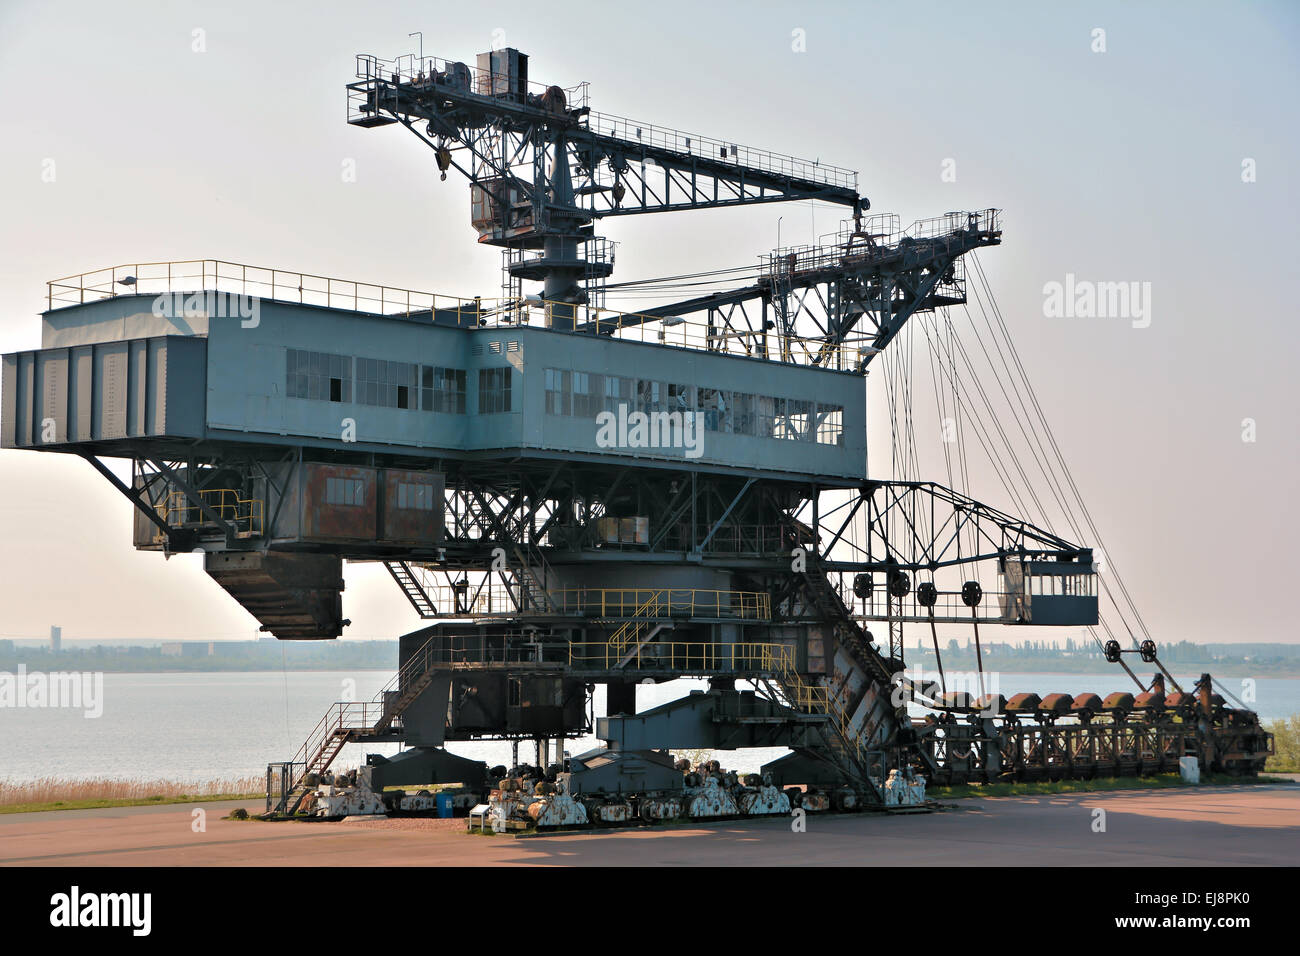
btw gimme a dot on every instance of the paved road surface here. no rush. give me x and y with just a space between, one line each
1231 826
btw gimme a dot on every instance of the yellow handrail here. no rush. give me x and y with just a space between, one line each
245 515
616 603
686 656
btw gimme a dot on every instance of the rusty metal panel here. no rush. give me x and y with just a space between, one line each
1086 703
816 663
413 507
1151 700
1119 701
1023 704
331 511
1057 703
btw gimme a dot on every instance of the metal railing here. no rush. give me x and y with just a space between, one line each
453 652
463 78
682 332
490 597
430 72
482 597
281 778
818 698
720 150
845 248
245 515
343 717
948 607
683 657
190 276
754 539
614 603
236 278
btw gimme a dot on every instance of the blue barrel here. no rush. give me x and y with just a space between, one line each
444 804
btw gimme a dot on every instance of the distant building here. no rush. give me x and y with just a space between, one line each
56 638
186 648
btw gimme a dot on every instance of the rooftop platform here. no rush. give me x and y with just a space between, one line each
189 277
149 358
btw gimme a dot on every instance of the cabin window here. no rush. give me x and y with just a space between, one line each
414 497
318 376
494 390
345 492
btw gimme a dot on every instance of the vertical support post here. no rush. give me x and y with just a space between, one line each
979 655
934 634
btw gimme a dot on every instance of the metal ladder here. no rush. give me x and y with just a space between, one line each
348 721
412 588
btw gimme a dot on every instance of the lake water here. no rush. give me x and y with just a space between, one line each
204 726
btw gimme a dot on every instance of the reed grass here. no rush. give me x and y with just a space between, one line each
55 793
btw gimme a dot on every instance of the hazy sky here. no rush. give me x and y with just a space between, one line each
1122 165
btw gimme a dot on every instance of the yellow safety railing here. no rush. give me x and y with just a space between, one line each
643 607
632 630
818 699
684 656
616 603
245 515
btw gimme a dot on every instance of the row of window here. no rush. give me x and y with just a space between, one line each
587 394
318 376
323 377
352 492
345 491
1062 585
413 497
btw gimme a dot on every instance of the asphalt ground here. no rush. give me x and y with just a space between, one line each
1256 824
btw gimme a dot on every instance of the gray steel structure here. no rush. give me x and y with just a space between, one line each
490 454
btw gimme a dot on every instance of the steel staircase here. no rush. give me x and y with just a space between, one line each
411 680
412 588
348 721
629 632
848 740
534 590
826 598
345 721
